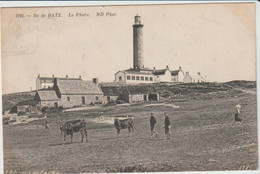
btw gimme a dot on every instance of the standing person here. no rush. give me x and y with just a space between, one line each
237 114
153 121
46 126
167 126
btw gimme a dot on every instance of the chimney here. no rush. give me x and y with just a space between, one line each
39 75
154 68
67 76
187 73
167 67
198 73
55 81
79 77
95 80
52 75
179 67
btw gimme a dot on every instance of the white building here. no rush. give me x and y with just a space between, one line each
135 76
166 75
48 82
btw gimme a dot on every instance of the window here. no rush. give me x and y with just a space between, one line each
133 77
142 78
137 78
83 100
68 98
146 78
128 77
120 78
96 97
56 104
151 79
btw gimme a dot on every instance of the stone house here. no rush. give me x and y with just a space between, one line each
77 93
47 98
70 93
132 94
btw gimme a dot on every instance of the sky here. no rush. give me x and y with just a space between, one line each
218 40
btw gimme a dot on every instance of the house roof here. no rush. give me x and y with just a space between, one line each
159 71
52 78
78 87
174 73
111 90
140 69
136 90
135 72
47 95
28 102
131 90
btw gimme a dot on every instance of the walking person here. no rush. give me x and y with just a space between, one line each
237 114
46 126
153 121
167 126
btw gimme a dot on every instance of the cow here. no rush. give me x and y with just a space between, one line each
124 124
74 126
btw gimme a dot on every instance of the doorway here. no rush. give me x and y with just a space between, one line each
83 100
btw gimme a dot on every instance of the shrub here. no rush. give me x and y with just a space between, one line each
60 108
119 101
20 113
44 109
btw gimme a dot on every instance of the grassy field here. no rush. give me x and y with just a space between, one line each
203 138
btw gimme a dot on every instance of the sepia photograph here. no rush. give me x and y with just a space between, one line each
129 88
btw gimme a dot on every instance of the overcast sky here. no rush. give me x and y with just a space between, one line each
217 40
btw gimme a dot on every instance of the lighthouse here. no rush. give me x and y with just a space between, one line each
138 62
140 74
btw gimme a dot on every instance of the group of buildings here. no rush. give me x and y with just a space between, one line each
141 74
75 92
70 92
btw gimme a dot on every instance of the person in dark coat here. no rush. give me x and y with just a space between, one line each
153 121
167 126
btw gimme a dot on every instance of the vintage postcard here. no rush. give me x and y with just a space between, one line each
138 88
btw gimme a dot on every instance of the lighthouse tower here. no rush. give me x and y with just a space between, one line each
138 43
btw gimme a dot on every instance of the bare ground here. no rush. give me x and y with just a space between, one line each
203 138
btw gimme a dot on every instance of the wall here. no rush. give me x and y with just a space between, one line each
46 85
112 98
76 100
187 79
28 108
166 77
180 76
49 104
119 74
136 98
38 84
174 78
139 81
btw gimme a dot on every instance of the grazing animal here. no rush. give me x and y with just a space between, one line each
74 126
127 123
